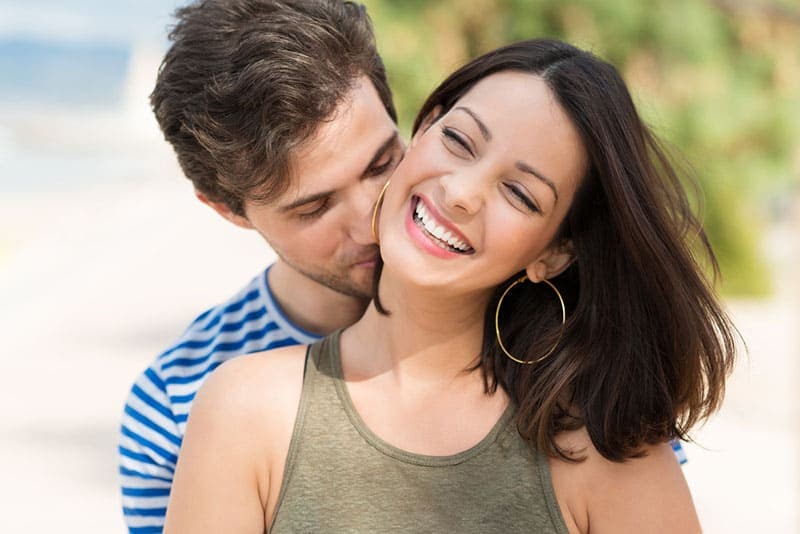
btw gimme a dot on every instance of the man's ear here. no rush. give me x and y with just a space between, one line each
551 263
426 123
224 210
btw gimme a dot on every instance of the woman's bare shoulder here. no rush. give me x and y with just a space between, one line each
236 438
645 494
262 388
271 367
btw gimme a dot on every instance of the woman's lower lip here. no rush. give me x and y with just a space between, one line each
423 240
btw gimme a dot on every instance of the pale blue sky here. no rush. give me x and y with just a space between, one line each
70 59
114 21
74 52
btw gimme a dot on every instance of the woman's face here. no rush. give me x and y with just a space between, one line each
482 190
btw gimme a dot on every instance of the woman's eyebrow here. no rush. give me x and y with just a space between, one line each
524 167
487 135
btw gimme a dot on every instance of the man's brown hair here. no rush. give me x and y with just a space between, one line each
246 82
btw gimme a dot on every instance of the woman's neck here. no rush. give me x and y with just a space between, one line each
430 335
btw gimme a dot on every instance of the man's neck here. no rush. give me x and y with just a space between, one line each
309 304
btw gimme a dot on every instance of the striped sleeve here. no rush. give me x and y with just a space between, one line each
680 452
149 442
157 409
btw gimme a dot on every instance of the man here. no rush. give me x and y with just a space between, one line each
280 114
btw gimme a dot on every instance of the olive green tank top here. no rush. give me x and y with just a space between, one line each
340 477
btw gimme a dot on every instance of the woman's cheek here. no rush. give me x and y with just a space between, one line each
424 161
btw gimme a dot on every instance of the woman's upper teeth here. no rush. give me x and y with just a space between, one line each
436 229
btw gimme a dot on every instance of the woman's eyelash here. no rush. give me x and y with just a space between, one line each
450 134
524 198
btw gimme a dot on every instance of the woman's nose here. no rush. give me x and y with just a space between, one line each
463 190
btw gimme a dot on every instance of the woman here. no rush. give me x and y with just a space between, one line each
542 330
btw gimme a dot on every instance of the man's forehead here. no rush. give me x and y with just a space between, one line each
344 146
359 120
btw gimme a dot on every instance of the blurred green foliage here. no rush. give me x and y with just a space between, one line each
719 80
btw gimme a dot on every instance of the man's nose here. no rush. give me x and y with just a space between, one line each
363 204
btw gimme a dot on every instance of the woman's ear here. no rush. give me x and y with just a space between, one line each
551 263
426 123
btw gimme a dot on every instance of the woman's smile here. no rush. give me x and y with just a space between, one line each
435 234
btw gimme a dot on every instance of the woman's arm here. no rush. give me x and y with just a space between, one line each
647 494
237 435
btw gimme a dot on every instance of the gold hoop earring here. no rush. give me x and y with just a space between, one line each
520 280
377 208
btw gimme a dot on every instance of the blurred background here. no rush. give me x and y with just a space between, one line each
105 256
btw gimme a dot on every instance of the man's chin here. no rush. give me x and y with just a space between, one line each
357 284
354 280
359 287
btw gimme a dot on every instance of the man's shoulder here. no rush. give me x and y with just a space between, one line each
247 322
157 407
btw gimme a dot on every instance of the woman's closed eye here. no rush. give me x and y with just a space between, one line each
456 143
520 196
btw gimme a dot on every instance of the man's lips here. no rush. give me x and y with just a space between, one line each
367 260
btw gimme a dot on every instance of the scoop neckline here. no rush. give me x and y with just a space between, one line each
391 450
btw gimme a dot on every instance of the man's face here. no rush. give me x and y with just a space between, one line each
321 225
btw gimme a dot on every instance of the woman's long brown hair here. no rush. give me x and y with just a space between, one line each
647 347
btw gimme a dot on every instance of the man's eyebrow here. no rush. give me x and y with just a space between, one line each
308 199
313 197
524 167
487 135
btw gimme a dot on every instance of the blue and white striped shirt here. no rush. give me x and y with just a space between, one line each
154 420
